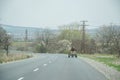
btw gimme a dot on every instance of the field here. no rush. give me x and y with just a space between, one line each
19 53
110 60
13 57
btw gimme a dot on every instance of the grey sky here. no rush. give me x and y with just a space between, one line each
52 13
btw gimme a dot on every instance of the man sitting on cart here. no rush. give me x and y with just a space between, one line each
72 52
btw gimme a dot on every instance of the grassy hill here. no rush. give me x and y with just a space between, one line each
18 32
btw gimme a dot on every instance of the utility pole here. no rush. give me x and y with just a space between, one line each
83 45
26 39
26 35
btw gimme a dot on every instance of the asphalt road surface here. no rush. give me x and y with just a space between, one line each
49 67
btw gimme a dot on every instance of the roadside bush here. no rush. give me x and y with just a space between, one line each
21 49
64 46
39 48
64 51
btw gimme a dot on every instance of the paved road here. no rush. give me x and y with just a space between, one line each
49 67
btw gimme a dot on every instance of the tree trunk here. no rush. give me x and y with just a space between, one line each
119 54
7 50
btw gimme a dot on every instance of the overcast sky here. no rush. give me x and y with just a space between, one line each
52 13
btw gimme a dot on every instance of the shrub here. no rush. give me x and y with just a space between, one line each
21 49
39 48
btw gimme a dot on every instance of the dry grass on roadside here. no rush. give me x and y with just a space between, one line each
110 60
12 57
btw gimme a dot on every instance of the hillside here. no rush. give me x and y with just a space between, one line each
18 32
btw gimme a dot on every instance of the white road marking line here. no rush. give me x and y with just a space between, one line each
36 69
21 78
44 64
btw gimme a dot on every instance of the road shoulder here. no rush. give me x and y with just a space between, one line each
109 72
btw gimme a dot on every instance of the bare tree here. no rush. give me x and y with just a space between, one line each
5 40
44 37
109 38
7 43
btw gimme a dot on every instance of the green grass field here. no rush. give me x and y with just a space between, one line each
20 44
107 59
